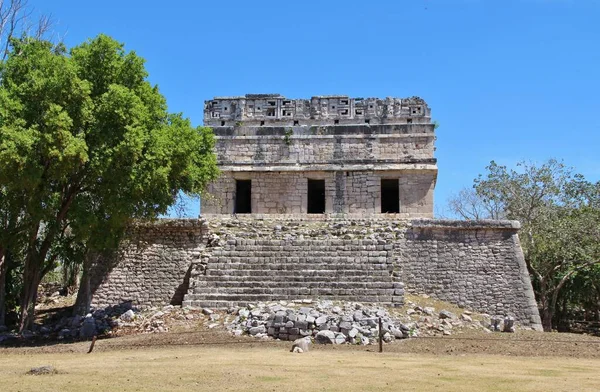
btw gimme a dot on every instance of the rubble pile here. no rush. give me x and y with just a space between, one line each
322 321
350 322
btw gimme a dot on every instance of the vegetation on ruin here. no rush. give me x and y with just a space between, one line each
86 145
559 211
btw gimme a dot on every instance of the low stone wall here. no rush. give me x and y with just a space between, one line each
152 265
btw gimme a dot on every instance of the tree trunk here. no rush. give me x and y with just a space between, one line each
3 271
71 277
31 281
547 318
84 295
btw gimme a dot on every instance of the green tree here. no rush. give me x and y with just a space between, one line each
90 144
560 216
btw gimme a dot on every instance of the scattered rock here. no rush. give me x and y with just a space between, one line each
302 344
444 314
128 316
325 337
88 328
509 324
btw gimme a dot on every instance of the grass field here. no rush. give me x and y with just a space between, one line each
268 368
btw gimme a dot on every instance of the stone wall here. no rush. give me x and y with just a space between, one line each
478 265
348 192
152 265
292 146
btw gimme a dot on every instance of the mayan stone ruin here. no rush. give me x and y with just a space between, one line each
328 199
329 154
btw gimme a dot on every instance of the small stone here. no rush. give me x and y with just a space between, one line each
444 314
325 337
320 320
302 343
297 350
127 316
207 311
353 332
429 310
340 338
466 317
509 324
256 330
88 328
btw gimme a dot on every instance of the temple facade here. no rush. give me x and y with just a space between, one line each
331 155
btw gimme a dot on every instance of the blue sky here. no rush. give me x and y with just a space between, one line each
507 80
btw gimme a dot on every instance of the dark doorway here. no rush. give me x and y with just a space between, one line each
243 197
390 196
316 197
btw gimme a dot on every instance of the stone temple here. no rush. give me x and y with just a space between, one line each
326 155
329 198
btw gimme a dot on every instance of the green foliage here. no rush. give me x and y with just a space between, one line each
87 145
287 136
560 216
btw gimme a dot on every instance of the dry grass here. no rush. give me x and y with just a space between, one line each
269 368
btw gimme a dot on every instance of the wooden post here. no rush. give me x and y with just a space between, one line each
380 336
92 345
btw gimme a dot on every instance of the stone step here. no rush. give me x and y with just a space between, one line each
351 268
307 258
290 279
319 242
225 304
253 298
262 252
338 273
218 284
281 292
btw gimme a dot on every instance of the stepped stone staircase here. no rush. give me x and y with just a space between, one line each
246 271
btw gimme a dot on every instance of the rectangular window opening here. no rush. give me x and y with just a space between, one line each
336 121
222 123
243 197
343 102
270 112
359 112
409 120
285 103
316 197
367 121
296 122
271 103
390 196
344 112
